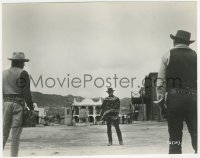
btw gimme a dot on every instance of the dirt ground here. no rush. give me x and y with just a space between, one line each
60 140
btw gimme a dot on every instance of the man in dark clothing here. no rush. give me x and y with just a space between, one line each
16 92
110 113
177 79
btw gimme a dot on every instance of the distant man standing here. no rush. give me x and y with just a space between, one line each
16 91
110 113
177 79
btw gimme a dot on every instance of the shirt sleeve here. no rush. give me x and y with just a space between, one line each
161 80
26 90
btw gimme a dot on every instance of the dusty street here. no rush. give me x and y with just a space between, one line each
139 138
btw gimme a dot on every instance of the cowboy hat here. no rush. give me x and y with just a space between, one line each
110 90
18 56
183 36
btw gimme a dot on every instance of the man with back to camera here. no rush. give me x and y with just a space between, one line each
16 92
110 114
177 79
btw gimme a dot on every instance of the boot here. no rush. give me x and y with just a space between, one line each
121 143
109 143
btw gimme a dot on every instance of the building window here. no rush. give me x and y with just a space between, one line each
98 118
76 111
98 109
90 110
76 119
91 119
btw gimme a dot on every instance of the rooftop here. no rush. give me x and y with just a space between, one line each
87 102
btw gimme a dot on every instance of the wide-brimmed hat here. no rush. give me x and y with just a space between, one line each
182 35
18 56
110 90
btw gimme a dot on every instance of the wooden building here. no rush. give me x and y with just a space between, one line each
148 110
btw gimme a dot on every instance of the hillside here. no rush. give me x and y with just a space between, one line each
56 103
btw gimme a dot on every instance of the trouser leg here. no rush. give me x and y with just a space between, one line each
6 132
193 133
16 128
191 120
119 134
175 116
175 127
109 130
16 132
7 121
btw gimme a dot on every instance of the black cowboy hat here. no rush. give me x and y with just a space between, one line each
183 36
110 90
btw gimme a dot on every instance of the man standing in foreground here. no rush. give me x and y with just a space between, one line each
110 113
16 91
177 79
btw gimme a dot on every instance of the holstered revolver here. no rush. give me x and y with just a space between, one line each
163 107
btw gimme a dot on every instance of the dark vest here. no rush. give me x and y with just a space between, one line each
11 78
181 71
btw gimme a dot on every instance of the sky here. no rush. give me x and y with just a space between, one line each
67 40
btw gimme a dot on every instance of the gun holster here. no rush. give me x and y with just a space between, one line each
26 117
163 108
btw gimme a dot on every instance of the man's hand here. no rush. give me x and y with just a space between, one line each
161 103
160 91
160 96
